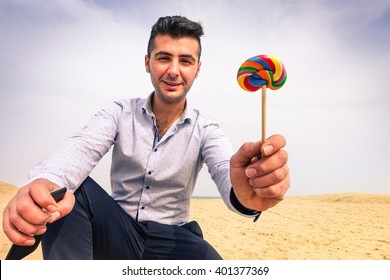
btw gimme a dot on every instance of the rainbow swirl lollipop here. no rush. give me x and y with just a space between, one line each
261 70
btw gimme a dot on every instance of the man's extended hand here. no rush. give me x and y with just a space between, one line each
31 208
260 183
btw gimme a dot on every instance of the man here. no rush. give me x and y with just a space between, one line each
160 145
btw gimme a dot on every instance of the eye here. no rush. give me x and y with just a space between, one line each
186 61
163 58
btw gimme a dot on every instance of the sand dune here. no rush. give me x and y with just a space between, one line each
345 226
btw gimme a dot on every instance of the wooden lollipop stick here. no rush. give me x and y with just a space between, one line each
263 112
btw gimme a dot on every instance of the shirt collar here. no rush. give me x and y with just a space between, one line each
147 106
187 116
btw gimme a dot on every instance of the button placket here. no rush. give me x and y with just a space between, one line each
148 181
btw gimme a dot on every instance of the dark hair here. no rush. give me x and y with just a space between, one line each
176 27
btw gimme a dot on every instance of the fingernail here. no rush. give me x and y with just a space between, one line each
29 242
55 216
250 172
41 231
51 208
268 149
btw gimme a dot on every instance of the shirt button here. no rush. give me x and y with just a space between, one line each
147 187
155 150
150 172
143 207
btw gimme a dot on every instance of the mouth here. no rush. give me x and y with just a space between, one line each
171 85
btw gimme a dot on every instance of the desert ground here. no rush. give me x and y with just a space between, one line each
341 226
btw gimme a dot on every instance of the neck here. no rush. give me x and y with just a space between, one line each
166 114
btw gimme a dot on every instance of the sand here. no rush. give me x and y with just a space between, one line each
342 226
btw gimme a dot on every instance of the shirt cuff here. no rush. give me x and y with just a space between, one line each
241 208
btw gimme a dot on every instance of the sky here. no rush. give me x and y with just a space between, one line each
61 61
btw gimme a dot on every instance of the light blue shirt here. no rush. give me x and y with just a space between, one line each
152 179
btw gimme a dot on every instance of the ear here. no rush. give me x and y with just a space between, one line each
147 68
198 70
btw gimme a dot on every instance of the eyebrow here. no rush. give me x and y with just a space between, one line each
181 56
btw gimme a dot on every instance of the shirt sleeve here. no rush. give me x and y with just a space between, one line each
241 208
217 151
73 160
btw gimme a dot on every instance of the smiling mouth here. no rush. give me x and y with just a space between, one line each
171 84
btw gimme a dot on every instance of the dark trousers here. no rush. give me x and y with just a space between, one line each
98 228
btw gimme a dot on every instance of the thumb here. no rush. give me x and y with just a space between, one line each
64 207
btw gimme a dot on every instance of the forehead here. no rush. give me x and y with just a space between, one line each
176 46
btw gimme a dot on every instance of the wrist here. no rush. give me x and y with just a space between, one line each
241 208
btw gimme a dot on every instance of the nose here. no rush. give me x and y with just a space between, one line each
173 70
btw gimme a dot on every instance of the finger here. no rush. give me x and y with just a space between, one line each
15 235
249 152
254 159
29 226
273 144
267 164
40 193
271 178
245 154
26 210
276 191
65 206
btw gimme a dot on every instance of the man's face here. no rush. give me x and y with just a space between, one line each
173 66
